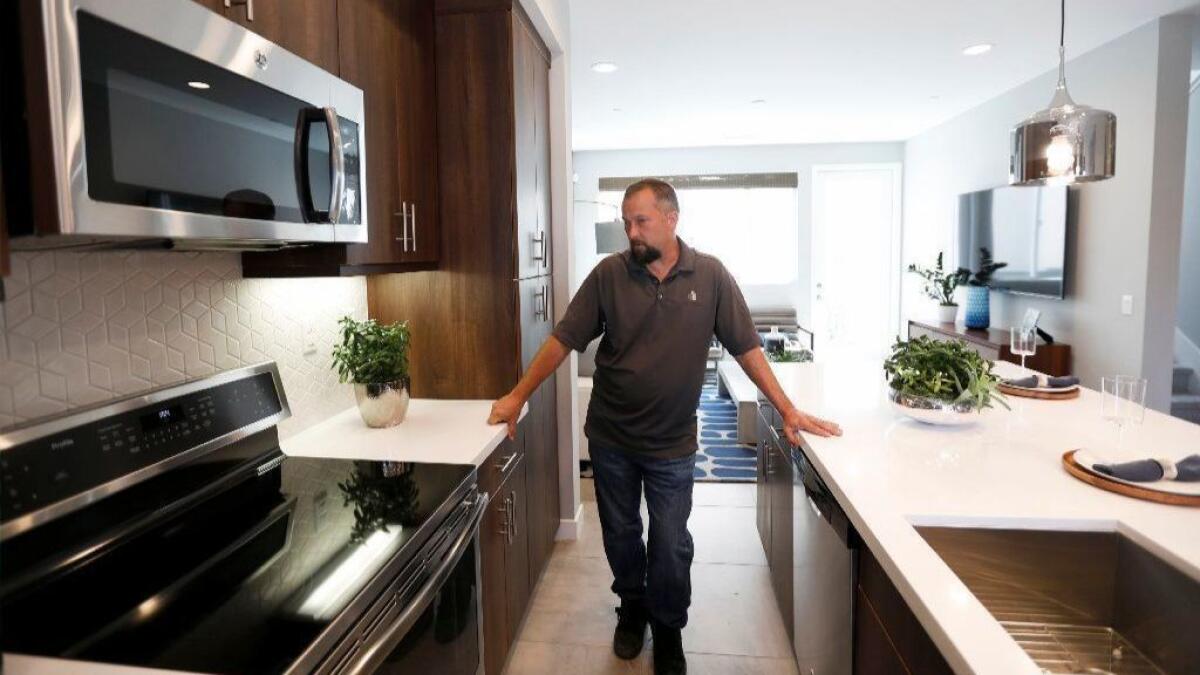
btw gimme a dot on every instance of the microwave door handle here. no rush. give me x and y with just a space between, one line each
337 164
304 120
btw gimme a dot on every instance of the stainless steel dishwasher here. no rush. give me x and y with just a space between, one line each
824 574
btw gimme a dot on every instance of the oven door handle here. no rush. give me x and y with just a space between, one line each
337 164
377 648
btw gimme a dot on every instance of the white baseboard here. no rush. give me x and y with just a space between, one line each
1187 353
568 528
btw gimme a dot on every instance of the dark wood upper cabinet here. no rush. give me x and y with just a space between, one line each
369 33
386 48
307 28
531 76
417 124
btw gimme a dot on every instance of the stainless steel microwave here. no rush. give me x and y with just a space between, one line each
169 122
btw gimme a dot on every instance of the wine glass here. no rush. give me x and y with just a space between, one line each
1123 402
1022 341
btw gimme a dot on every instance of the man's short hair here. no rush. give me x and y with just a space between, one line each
664 194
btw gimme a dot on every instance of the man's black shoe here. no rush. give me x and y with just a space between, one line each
668 650
631 630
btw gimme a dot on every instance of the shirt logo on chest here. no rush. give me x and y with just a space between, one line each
692 296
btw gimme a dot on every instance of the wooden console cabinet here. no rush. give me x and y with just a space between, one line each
992 344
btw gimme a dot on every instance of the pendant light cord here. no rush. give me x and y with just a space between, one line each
1062 25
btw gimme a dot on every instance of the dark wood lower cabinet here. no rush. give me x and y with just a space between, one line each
874 653
888 638
493 543
510 560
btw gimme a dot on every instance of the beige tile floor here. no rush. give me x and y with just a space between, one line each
734 625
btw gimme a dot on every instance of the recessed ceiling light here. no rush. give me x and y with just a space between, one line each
197 84
604 66
759 101
616 110
976 50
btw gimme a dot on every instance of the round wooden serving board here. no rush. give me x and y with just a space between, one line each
1044 395
1078 471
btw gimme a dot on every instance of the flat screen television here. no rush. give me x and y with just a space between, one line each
1025 227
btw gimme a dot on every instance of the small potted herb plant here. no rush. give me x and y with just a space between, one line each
939 287
374 358
979 310
940 382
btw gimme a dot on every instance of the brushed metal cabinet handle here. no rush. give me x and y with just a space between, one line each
249 7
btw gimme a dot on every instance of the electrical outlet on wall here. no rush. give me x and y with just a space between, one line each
1127 305
310 338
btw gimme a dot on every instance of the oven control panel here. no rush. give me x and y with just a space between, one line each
112 444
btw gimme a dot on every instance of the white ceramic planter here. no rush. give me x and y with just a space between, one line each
947 313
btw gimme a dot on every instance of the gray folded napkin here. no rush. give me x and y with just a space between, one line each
1036 382
1147 470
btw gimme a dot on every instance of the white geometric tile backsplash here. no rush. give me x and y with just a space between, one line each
78 328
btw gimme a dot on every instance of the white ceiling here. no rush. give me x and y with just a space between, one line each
829 70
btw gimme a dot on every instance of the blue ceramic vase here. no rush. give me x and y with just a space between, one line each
979 311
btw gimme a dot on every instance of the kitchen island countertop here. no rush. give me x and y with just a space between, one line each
890 474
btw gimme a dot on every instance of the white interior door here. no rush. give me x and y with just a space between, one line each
855 259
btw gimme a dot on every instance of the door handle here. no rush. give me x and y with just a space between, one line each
337 164
512 506
412 214
503 508
403 238
539 245
539 308
249 7
507 463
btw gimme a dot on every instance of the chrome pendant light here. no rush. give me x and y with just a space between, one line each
1065 143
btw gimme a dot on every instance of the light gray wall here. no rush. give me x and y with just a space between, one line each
1127 235
590 166
1189 249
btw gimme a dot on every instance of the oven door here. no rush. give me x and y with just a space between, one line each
171 121
430 622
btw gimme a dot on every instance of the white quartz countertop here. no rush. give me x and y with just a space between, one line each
890 473
434 430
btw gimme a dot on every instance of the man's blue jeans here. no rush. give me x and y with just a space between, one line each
658 574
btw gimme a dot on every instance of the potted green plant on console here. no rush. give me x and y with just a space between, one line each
940 382
374 358
979 310
940 286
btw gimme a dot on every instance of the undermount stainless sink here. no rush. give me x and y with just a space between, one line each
1079 602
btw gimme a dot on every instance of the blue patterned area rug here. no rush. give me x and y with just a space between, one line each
721 458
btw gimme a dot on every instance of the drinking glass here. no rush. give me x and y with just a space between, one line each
1022 341
1123 402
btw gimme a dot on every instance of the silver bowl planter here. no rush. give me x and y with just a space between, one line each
933 411
382 404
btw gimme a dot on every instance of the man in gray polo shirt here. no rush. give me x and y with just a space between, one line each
656 305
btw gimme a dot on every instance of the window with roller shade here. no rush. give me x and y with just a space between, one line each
748 221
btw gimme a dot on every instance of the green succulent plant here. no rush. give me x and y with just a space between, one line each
940 284
987 267
372 353
947 371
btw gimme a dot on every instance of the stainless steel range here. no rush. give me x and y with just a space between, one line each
168 530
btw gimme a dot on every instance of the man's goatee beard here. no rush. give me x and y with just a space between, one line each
644 254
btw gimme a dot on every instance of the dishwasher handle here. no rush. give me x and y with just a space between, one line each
821 500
